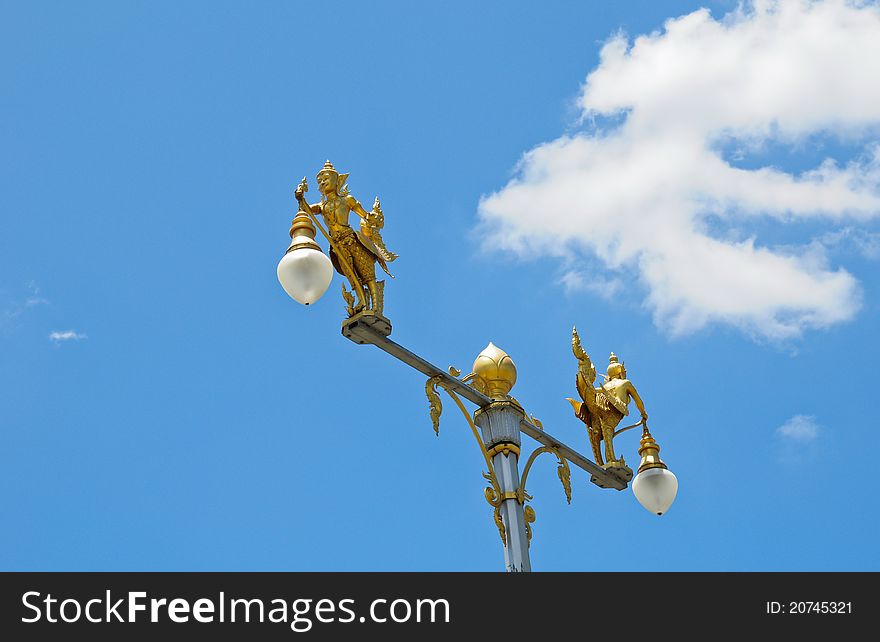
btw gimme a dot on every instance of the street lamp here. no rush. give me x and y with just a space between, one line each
304 271
655 486
500 420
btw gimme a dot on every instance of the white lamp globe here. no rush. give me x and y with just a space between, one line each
655 488
305 274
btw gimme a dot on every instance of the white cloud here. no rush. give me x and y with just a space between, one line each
643 195
800 428
67 335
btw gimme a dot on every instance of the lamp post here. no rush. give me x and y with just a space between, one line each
500 420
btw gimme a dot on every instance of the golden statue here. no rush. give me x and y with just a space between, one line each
602 408
354 254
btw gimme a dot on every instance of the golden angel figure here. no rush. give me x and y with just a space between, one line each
354 253
602 408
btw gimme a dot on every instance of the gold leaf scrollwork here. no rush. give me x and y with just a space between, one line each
490 492
435 405
562 470
530 517
500 524
493 496
564 473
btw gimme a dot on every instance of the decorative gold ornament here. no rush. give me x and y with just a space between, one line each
354 254
562 470
302 233
505 448
602 408
522 496
494 497
529 517
434 402
495 371
649 451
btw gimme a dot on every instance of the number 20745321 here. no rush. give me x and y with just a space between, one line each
804 608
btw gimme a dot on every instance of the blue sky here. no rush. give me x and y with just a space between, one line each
165 406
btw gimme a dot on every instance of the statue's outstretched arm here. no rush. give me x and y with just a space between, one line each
635 397
301 198
356 206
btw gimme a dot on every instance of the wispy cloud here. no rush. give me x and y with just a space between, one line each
798 440
853 240
34 299
68 335
575 281
800 428
646 188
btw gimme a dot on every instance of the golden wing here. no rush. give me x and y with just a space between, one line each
370 227
581 355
